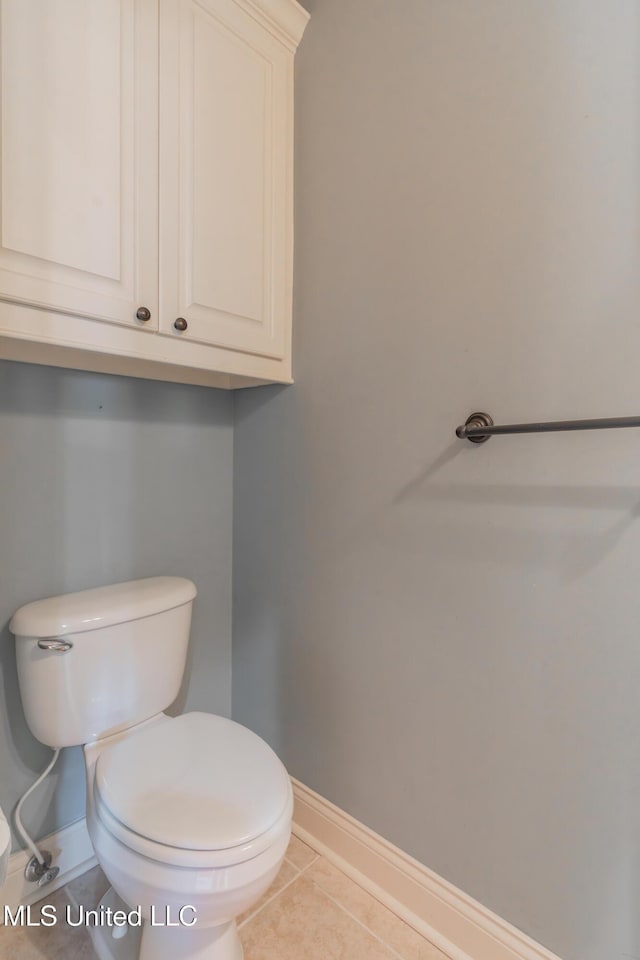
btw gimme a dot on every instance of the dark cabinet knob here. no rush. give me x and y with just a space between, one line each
143 313
180 324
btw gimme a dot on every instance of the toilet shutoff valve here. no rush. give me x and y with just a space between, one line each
41 872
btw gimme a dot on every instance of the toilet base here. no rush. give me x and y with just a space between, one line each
125 945
206 943
162 943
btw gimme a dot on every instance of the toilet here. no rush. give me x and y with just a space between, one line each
189 816
5 847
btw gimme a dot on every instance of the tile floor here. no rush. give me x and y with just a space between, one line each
311 912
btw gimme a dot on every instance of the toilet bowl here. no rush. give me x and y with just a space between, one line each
190 820
189 816
5 847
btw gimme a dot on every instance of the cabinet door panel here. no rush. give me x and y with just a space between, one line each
224 168
78 217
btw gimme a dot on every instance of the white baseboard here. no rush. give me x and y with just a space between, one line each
456 923
70 849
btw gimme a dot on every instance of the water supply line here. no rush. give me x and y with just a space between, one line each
39 869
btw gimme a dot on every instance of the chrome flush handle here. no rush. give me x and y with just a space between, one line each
55 644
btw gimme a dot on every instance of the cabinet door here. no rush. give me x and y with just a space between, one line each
78 217
225 176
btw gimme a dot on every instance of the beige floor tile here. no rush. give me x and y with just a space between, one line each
86 951
369 911
286 874
317 915
300 854
302 923
88 889
59 942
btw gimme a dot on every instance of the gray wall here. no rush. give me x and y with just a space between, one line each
444 639
106 479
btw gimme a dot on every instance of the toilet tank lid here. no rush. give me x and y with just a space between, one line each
101 607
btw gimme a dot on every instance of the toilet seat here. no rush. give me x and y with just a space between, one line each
200 859
197 790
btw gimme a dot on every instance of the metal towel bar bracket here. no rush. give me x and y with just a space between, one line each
480 426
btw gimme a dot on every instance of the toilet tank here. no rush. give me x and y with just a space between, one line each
96 662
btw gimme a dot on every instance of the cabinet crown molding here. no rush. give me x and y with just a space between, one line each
286 18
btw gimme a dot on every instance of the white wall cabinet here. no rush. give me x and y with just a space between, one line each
146 186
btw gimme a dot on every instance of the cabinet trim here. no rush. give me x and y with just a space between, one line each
110 348
285 19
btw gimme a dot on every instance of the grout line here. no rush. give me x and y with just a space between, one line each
299 872
307 865
273 897
316 854
378 902
363 925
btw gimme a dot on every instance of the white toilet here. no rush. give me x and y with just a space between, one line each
189 816
5 847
